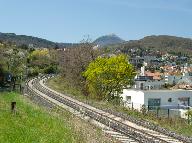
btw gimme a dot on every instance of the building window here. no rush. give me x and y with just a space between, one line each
141 86
184 100
170 100
153 103
128 99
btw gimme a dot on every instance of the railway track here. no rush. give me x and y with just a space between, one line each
121 129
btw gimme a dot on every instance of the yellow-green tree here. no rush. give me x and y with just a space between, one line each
107 77
40 57
42 61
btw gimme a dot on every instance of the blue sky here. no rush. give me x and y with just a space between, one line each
72 20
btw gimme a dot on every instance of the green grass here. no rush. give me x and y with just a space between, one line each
177 124
34 124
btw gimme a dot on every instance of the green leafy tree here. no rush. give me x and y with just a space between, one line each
107 77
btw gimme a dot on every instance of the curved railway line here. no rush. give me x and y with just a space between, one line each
130 131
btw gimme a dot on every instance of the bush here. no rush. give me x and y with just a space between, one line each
50 69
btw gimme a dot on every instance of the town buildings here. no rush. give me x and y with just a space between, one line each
161 83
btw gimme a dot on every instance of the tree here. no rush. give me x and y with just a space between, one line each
1 75
107 77
74 61
42 61
16 65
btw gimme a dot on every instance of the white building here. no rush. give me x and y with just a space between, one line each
172 99
133 98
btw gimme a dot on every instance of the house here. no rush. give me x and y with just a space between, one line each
184 83
154 75
177 100
158 97
147 83
136 61
148 80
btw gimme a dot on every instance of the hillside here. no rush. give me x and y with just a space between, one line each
161 43
164 41
32 123
26 40
108 40
30 40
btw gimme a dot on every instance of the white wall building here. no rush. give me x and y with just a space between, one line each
152 98
133 98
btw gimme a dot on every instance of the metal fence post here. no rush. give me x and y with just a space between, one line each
157 112
132 106
13 107
188 117
168 113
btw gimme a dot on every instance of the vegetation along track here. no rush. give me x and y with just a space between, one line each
136 132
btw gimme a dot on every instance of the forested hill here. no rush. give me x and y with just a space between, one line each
30 40
162 43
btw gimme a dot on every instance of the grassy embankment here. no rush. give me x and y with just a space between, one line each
175 124
32 123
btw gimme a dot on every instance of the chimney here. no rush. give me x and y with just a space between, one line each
143 71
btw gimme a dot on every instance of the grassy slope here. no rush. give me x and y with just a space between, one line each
177 125
32 123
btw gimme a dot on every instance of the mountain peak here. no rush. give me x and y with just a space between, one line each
108 40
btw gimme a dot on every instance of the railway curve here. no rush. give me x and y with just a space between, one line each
134 132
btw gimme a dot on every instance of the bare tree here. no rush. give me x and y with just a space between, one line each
74 61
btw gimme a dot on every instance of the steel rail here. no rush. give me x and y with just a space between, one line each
136 134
